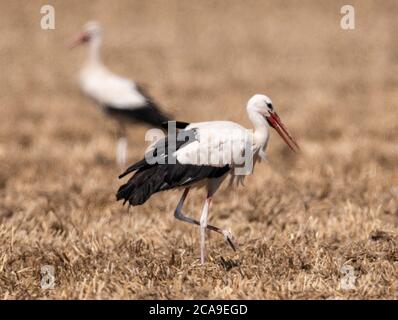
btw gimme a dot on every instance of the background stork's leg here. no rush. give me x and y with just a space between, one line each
121 148
178 214
121 151
203 226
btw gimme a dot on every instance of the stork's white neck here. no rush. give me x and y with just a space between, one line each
94 50
261 126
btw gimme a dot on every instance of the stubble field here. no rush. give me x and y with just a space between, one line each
299 219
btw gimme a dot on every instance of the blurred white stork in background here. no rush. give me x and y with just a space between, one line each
118 97
203 160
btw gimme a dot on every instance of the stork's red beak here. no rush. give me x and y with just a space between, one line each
276 123
81 38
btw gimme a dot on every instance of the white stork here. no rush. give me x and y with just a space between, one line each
118 97
203 160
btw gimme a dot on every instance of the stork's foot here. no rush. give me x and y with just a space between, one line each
230 239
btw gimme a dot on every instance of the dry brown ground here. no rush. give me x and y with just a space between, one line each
298 220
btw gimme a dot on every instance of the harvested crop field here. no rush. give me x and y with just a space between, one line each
301 220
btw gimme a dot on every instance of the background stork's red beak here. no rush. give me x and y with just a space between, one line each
276 123
81 38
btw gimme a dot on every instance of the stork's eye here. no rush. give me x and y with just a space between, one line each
269 105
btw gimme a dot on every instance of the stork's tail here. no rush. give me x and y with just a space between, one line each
141 186
150 114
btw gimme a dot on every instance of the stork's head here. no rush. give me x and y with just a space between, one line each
92 31
262 106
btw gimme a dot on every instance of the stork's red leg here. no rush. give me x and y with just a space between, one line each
203 225
178 214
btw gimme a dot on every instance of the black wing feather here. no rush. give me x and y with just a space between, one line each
152 178
149 112
179 124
